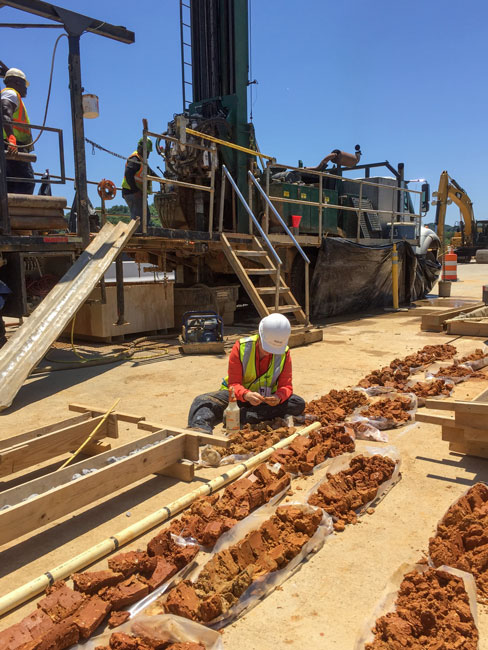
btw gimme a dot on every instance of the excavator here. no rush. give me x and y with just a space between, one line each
472 235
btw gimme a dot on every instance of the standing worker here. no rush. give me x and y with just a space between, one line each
18 137
132 183
261 376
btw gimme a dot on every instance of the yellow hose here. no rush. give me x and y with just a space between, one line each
83 444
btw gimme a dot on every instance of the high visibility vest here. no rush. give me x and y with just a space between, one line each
266 384
137 176
22 133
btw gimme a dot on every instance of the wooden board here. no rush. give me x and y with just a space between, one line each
432 418
13 459
35 433
468 327
434 321
304 338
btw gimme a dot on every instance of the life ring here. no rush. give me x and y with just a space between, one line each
106 189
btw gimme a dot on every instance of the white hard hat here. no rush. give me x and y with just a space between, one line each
15 72
274 332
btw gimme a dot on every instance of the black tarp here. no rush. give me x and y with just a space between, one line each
350 277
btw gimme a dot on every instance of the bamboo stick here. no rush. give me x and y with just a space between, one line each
30 589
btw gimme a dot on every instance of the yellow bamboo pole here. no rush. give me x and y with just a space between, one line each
112 543
225 143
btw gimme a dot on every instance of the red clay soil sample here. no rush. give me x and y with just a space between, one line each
461 539
477 355
342 494
91 582
132 562
208 518
432 388
305 452
390 377
118 618
256 437
18 636
427 355
396 410
432 613
121 641
230 572
336 405
459 371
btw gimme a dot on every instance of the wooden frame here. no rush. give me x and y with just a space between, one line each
465 427
434 321
50 497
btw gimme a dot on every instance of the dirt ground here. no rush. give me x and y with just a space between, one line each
325 604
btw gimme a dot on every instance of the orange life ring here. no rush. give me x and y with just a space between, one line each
106 189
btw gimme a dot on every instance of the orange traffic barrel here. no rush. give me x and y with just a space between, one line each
449 267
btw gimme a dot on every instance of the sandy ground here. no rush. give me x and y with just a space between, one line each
326 603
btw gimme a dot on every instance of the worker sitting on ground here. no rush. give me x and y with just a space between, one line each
132 182
260 374
17 137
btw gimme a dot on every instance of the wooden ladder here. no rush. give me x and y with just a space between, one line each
261 265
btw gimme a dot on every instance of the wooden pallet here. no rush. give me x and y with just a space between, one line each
465 426
45 499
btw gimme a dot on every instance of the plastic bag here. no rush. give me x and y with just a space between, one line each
421 400
343 462
381 422
365 431
264 585
477 364
386 603
439 371
163 627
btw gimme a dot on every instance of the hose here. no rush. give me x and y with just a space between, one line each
41 131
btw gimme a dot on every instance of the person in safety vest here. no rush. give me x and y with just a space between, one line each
16 136
260 374
132 182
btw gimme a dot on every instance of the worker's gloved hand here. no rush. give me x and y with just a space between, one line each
272 400
12 144
253 398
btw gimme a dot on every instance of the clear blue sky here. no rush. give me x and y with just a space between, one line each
404 79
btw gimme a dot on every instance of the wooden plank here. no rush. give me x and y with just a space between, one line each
305 338
203 438
482 397
471 420
458 406
470 448
36 433
468 327
433 322
184 470
476 435
124 417
149 426
48 446
67 497
433 419
452 434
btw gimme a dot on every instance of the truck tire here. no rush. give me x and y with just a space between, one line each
482 256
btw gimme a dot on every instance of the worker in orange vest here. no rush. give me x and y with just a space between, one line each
132 182
17 136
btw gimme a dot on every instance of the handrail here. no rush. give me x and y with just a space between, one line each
250 213
278 216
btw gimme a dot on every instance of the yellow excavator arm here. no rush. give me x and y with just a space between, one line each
449 191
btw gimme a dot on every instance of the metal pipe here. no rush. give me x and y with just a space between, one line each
249 200
211 207
277 292
144 178
256 222
4 215
81 196
266 208
278 216
279 199
358 229
307 291
225 143
222 199
394 276
321 202
171 181
119 277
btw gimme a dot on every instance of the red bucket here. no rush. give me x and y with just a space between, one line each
295 220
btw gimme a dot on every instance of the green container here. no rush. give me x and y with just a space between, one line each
310 214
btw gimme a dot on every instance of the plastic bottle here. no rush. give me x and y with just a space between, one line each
232 414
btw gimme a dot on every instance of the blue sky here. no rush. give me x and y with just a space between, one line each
405 80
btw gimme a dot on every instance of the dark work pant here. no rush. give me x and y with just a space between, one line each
134 201
207 410
20 169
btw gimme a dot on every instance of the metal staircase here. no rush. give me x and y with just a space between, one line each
270 294
186 51
369 215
